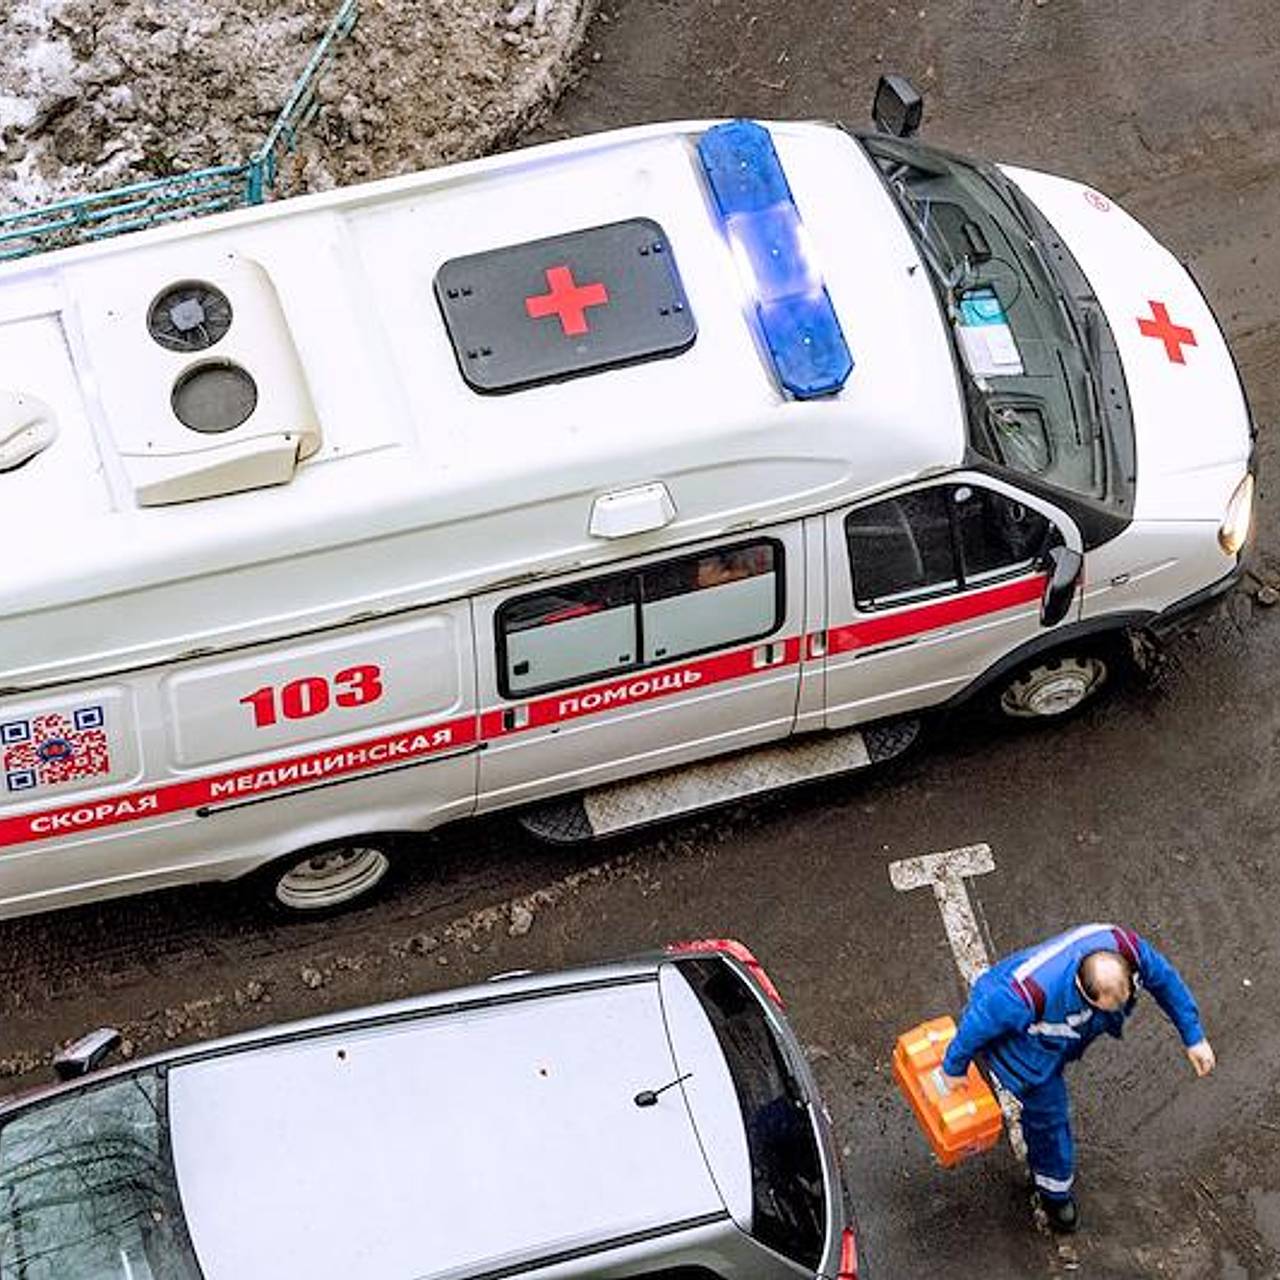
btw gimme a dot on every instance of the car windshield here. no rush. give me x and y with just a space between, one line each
1022 338
87 1189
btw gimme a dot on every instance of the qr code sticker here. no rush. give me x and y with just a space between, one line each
53 748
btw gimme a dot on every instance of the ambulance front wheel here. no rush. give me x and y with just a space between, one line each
329 877
1054 686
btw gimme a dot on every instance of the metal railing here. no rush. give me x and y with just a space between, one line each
300 106
211 190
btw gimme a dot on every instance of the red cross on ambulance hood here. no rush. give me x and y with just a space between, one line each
1189 413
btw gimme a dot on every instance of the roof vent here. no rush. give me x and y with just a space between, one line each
200 382
214 397
190 316
27 426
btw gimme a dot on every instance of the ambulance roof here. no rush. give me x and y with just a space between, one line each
420 487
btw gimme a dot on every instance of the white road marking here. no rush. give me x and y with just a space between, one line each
946 874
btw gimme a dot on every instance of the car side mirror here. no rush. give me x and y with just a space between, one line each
1064 567
84 1055
897 108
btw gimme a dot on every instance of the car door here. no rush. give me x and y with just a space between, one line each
665 660
930 586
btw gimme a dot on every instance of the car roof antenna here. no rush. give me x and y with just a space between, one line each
649 1097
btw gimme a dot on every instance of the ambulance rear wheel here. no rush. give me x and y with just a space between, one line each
328 878
1054 686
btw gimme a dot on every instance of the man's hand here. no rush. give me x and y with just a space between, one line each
953 1082
1202 1057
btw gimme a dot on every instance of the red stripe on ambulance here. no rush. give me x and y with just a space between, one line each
415 744
409 745
643 687
866 633
223 788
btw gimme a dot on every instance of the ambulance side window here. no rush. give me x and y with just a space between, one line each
901 549
936 541
702 602
998 534
579 630
611 625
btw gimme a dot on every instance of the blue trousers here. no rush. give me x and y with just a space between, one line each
1046 1125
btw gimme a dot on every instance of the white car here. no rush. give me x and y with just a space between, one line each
652 1117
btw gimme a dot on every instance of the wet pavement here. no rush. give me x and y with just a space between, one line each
1157 808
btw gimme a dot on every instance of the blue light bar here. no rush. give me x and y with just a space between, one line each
765 232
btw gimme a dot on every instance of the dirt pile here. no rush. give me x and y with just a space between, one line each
99 93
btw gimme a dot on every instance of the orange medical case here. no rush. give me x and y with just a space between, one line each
959 1122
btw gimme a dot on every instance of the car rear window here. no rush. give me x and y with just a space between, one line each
680 1273
787 1194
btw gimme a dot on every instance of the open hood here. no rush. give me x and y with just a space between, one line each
1189 413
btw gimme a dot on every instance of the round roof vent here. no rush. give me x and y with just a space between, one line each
190 316
214 397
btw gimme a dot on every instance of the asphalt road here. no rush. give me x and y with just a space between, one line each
1157 808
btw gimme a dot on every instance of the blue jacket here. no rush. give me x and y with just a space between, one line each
1029 1018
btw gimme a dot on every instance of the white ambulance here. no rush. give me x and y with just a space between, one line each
607 479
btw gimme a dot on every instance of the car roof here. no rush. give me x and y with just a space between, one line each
444 1146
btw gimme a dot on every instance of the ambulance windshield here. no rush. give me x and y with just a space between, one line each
1031 340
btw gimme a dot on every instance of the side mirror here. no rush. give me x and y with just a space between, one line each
897 108
1064 566
84 1055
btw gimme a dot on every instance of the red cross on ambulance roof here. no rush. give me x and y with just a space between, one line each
1174 336
567 300
581 302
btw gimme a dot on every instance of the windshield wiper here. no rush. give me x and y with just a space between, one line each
1083 325
1093 348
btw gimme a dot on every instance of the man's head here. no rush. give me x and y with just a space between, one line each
1106 979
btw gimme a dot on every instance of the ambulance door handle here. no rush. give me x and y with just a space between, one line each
768 655
515 718
896 644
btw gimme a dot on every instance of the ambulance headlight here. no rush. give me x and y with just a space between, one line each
1234 532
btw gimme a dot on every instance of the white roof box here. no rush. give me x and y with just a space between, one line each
200 385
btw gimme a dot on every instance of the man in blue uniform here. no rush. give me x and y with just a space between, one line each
1031 1014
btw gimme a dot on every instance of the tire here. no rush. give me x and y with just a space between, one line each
1055 686
327 878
